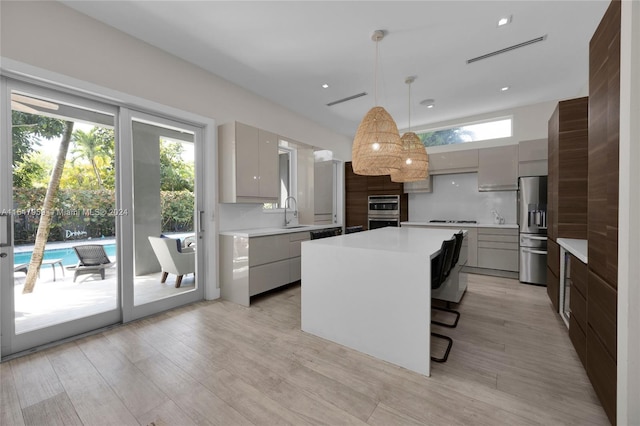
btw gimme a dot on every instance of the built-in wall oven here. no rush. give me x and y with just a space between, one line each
384 210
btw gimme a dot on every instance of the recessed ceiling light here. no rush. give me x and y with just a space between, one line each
429 103
325 86
505 88
504 21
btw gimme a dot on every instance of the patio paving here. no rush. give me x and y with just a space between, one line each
53 302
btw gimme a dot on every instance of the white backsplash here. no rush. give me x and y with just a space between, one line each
456 197
247 216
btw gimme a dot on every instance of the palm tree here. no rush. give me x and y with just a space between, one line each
89 146
46 213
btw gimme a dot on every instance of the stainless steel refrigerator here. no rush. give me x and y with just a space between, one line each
532 220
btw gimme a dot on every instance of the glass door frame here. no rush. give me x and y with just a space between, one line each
11 342
125 198
84 93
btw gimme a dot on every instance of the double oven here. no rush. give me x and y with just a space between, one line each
384 210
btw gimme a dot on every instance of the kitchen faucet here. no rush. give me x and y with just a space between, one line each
295 210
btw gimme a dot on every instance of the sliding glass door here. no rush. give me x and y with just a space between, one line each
101 214
60 234
165 222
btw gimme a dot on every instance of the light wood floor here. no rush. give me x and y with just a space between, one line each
219 363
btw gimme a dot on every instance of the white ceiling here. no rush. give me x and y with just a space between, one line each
285 50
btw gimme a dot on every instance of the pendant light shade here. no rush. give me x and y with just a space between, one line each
415 162
414 165
377 149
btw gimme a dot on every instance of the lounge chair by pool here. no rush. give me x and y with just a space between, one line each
92 260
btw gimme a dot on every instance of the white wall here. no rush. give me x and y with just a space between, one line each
54 37
628 409
245 216
456 197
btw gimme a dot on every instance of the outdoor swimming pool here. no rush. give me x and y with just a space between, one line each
68 255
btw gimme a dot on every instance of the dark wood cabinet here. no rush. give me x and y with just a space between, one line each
382 185
357 190
356 209
553 273
578 305
568 170
604 123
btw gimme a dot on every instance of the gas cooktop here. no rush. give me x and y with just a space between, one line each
451 221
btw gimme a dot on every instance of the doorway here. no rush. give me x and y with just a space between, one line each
83 187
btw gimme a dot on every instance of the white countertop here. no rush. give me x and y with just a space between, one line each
370 291
406 240
262 232
578 248
462 225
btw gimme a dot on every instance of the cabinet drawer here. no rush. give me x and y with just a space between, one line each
601 369
578 305
505 260
602 312
579 273
497 245
266 277
513 239
295 269
295 241
268 249
553 257
579 340
498 231
553 288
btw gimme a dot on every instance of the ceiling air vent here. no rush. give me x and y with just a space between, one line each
348 98
507 49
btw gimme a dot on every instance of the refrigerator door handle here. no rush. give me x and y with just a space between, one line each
525 250
534 237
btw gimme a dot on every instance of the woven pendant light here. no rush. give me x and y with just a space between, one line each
376 148
415 162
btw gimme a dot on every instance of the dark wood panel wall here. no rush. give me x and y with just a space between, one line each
578 304
568 170
553 273
357 190
567 188
602 280
583 204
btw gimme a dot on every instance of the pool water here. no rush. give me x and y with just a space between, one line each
68 255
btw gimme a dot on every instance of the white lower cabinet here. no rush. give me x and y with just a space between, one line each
498 249
489 247
269 276
253 265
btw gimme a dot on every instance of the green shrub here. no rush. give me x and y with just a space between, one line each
80 214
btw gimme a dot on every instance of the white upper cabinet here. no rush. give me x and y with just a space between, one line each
453 162
498 168
248 164
269 172
533 158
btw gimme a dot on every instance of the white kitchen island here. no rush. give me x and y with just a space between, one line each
371 291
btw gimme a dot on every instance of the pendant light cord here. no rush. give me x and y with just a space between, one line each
375 75
409 106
